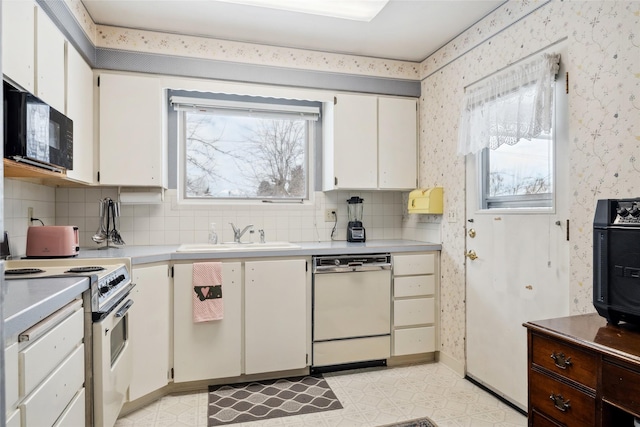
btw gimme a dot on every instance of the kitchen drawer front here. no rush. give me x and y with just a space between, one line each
11 375
74 415
412 286
413 264
621 386
581 366
41 357
49 400
417 311
353 350
13 419
414 340
539 420
581 410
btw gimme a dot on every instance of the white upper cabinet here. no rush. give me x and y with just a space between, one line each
370 142
397 143
355 160
50 62
18 42
131 143
80 110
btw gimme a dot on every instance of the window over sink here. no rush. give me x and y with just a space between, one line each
244 148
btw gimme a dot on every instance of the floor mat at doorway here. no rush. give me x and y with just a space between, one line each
261 400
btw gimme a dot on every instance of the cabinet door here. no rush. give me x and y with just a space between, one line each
11 376
80 110
397 143
18 42
50 62
208 349
131 130
275 315
355 142
150 328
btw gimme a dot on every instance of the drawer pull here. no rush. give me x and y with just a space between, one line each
559 402
560 360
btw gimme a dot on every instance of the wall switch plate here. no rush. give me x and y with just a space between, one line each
330 215
452 216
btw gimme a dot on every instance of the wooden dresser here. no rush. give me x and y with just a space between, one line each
583 372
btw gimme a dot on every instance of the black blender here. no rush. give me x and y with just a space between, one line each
355 230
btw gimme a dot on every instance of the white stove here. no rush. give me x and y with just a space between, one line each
110 278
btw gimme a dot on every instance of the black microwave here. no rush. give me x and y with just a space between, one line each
616 260
36 133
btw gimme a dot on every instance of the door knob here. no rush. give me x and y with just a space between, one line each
471 255
472 233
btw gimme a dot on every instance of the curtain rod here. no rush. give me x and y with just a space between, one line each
518 61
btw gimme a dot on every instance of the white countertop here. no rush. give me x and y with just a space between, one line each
28 301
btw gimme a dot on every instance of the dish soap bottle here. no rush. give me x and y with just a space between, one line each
213 236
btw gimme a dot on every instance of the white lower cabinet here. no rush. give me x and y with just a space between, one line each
51 370
208 349
11 383
150 328
275 316
415 287
265 325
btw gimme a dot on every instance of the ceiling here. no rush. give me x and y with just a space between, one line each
408 30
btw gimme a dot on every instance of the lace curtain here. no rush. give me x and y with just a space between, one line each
511 105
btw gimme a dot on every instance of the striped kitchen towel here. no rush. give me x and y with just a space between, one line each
207 291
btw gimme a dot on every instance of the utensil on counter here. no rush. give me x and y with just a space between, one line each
109 224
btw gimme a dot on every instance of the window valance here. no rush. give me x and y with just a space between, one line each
514 104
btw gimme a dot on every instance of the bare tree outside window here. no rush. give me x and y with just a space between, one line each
242 156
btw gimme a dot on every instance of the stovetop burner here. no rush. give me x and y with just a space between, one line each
18 271
85 269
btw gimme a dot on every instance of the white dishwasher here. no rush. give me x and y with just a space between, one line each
351 311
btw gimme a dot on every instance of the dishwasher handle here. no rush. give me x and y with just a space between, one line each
351 268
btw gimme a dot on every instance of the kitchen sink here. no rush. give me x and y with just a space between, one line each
233 246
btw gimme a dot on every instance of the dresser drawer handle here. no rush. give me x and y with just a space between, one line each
559 402
560 360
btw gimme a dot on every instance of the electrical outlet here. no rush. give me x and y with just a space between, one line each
29 214
330 215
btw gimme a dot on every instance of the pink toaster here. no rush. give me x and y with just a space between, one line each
53 241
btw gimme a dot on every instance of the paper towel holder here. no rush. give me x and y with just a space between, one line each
426 201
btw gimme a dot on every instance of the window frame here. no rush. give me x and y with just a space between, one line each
211 100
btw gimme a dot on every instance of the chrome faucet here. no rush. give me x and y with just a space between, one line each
237 234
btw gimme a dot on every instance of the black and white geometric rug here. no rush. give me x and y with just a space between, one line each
419 422
260 400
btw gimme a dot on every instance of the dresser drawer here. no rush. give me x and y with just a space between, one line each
580 410
413 264
417 311
412 286
621 386
570 362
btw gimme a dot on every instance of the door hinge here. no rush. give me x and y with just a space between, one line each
306 266
171 373
567 230
98 176
566 82
171 272
98 81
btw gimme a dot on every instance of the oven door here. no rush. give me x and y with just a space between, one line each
112 364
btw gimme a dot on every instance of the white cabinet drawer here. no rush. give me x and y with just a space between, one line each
41 357
414 341
412 286
418 311
49 400
413 264
11 376
74 415
13 419
352 350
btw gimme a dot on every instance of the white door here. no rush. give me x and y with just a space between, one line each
521 273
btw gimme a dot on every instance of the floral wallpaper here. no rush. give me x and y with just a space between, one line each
604 74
